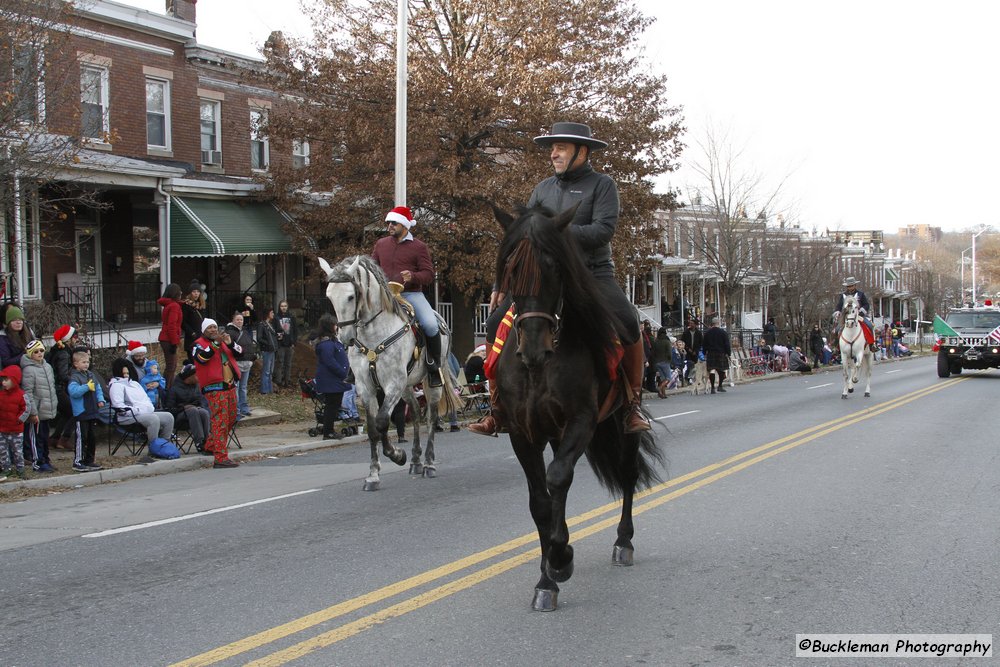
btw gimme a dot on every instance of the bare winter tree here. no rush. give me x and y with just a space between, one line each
41 94
740 210
803 270
484 77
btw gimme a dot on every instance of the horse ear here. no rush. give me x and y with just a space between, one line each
327 269
564 218
503 217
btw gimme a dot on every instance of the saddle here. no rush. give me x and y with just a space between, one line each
620 394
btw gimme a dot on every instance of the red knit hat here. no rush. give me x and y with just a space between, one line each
135 347
63 333
401 215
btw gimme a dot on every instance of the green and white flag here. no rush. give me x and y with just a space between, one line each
941 327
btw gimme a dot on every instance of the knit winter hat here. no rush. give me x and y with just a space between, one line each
186 372
34 345
196 285
401 215
208 322
13 313
63 333
135 347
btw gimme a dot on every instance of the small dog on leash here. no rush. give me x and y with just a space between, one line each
700 383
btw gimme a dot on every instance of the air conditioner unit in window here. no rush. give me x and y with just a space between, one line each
211 157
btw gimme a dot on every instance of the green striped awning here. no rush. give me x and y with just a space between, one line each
891 275
217 227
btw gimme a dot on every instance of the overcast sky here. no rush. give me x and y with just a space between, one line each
880 113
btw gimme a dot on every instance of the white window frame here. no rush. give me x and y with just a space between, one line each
300 153
31 238
105 78
217 131
166 114
258 117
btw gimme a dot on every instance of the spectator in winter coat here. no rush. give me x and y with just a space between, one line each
192 314
60 357
188 406
87 399
154 383
170 331
218 375
288 334
38 381
332 368
14 337
243 348
267 342
130 400
14 413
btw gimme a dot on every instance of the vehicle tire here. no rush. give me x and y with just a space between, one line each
956 369
313 433
943 367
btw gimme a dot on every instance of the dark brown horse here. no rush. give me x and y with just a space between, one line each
553 377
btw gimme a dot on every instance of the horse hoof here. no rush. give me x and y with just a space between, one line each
844 396
560 575
850 390
371 485
868 394
622 556
398 457
430 472
545 600
416 468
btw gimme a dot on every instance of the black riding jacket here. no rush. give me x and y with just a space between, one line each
595 220
862 301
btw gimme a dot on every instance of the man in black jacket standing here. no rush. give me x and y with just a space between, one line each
577 183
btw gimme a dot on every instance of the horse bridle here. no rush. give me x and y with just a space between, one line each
372 353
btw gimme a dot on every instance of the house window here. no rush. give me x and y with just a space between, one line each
259 150
28 84
300 154
31 289
158 113
94 117
211 147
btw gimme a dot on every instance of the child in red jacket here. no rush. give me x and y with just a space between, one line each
13 413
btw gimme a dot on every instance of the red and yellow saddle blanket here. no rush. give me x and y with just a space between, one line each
614 358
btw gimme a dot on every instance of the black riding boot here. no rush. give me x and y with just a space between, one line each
433 360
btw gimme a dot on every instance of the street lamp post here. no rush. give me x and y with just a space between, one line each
962 270
974 262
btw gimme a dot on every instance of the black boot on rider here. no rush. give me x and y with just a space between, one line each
433 360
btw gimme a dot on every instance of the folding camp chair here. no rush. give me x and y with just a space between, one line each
132 434
475 399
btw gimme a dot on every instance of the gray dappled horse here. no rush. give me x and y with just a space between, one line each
855 357
382 348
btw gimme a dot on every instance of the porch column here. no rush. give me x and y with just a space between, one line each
162 201
20 275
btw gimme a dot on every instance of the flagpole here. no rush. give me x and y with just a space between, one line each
401 103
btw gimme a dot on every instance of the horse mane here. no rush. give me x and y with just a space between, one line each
582 304
366 273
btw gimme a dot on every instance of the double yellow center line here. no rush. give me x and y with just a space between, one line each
645 501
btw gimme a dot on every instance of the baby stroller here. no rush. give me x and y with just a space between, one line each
347 425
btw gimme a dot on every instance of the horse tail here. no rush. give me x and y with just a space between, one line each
449 399
616 457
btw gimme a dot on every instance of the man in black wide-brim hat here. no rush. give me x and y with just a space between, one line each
593 226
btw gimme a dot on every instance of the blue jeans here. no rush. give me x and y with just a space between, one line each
425 314
242 405
348 403
265 379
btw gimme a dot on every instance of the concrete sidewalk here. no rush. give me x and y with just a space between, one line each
260 435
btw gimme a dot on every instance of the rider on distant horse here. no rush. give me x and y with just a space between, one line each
407 260
593 226
851 288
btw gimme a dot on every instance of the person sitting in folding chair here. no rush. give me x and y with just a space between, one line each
190 407
130 401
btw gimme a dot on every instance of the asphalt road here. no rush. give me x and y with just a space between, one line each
786 510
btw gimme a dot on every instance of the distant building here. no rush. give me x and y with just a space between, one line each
922 232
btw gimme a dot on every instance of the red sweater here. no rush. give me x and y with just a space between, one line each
171 316
208 362
411 255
